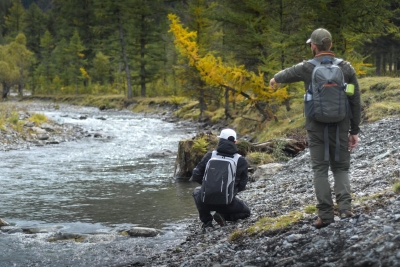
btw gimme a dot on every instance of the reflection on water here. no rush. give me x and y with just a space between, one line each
94 186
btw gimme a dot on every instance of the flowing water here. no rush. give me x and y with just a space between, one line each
94 187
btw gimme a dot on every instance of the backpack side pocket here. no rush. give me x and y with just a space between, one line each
308 105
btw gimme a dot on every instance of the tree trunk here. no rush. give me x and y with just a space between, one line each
20 89
227 114
378 64
6 90
256 104
142 55
202 102
124 57
384 64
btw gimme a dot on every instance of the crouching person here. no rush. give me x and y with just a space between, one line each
222 174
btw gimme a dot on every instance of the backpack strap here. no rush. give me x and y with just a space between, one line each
336 61
326 143
314 62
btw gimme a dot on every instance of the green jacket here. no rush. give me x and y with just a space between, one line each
303 72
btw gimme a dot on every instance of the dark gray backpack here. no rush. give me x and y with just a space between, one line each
326 100
218 184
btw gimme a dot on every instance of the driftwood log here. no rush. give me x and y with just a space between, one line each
291 147
188 158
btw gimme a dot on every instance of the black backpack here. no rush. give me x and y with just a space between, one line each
218 183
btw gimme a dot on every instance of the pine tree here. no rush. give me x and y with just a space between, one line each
35 22
14 20
76 59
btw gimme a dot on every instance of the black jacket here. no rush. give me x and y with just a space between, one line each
225 147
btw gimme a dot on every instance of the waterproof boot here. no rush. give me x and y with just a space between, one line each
319 223
219 218
346 214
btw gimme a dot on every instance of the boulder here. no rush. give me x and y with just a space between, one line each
266 171
3 223
143 232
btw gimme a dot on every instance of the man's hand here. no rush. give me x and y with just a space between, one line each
273 83
353 141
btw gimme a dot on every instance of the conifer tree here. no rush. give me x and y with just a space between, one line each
214 72
101 68
76 59
114 22
14 20
4 8
46 66
35 22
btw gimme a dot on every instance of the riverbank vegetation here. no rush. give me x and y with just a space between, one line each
217 56
208 61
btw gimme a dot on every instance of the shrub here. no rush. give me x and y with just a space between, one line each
259 158
38 118
200 145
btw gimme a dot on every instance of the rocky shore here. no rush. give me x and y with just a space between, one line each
371 238
31 134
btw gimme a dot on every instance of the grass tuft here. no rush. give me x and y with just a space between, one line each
310 209
270 224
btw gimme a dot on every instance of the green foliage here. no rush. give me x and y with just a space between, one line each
278 153
310 209
178 100
277 223
200 145
236 235
13 118
396 187
259 158
35 22
38 118
380 97
244 147
14 19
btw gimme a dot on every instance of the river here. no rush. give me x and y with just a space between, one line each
95 187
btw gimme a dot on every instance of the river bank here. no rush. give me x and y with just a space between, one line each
370 239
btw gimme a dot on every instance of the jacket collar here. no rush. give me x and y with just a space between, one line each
324 54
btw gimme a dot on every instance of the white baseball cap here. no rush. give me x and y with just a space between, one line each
226 133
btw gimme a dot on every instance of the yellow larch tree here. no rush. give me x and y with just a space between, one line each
214 72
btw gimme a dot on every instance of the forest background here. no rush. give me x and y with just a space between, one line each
212 57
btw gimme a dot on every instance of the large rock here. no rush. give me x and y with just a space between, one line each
143 232
3 223
266 171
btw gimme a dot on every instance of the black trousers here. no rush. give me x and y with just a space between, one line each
236 210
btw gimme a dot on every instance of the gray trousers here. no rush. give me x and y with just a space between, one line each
340 170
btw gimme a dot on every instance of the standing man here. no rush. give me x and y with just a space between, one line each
237 208
343 134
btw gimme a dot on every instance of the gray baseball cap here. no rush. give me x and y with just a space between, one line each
318 36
